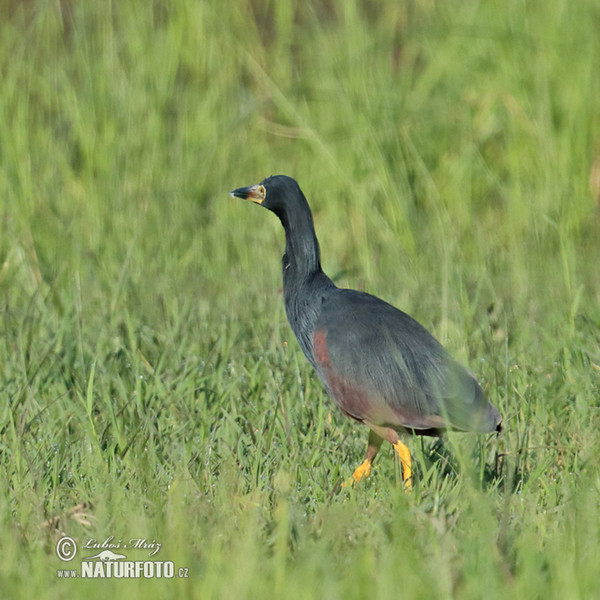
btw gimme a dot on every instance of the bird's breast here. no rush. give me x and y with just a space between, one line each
320 350
353 401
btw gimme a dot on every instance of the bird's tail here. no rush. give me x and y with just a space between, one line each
493 418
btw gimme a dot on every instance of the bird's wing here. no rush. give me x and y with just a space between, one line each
383 367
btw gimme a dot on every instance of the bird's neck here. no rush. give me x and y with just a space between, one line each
304 284
302 258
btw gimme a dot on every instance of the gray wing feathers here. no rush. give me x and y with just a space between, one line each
399 365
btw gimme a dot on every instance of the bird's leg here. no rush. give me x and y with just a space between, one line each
406 462
391 436
364 469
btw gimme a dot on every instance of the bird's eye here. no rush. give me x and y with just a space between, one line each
261 190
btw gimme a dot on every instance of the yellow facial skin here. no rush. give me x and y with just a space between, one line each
257 194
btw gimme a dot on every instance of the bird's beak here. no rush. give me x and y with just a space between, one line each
255 193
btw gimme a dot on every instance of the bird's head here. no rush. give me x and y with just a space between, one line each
279 193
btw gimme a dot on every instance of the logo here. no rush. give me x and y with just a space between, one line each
66 548
108 563
106 555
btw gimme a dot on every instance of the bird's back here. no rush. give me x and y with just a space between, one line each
382 366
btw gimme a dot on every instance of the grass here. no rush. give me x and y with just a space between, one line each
151 386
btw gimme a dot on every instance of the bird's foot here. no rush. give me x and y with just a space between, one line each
363 470
406 462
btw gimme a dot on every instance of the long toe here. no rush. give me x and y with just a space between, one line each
363 470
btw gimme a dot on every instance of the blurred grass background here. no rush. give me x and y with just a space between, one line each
451 155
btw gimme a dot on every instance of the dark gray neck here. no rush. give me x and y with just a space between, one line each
304 284
302 255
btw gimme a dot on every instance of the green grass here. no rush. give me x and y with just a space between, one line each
146 366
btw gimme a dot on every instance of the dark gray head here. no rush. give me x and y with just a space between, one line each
280 194
283 196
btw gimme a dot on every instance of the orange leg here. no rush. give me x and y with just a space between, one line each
364 469
406 462
376 436
403 452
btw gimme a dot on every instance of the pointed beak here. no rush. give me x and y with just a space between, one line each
255 193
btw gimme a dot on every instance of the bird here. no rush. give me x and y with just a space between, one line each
379 365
